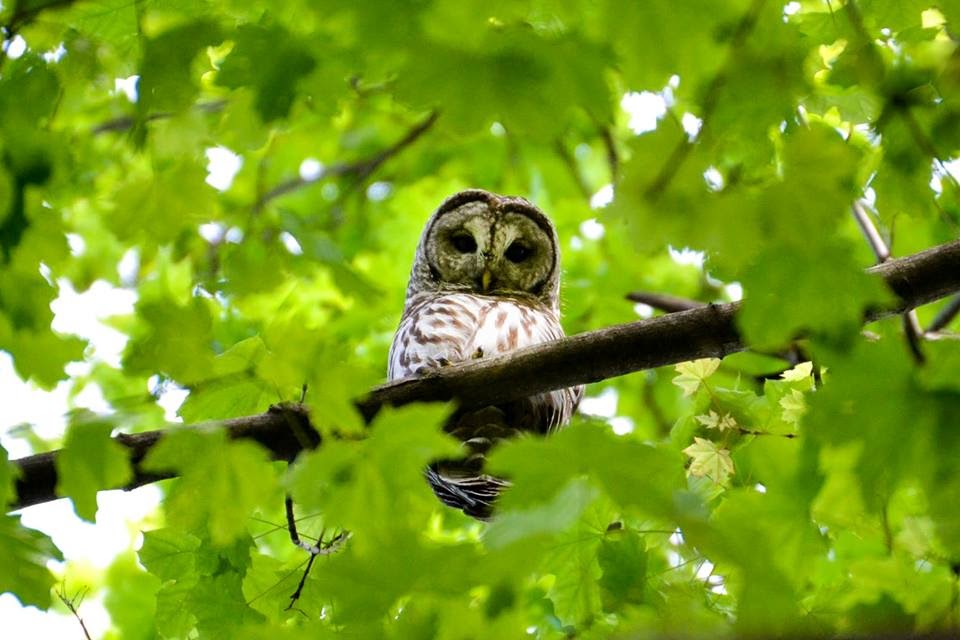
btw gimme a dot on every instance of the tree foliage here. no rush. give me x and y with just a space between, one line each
765 493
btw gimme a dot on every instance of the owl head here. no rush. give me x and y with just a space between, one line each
480 242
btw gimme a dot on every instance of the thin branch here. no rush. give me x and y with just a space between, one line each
664 302
870 231
361 168
613 158
570 163
708 331
911 324
124 123
946 315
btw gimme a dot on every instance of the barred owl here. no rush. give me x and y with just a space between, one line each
485 280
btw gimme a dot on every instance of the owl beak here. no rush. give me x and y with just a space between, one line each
485 279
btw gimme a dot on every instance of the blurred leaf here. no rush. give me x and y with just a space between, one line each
23 563
166 78
8 478
623 561
90 461
233 389
271 61
631 473
131 598
376 487
220 482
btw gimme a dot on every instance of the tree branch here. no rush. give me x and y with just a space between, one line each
361 169
664 302
707 331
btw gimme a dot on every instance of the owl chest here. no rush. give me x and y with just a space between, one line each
460 327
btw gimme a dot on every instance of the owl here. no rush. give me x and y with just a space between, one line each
485 281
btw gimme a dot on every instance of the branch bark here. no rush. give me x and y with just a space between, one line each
707 331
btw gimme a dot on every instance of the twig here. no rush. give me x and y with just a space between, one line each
73 604
753 432
708 331
946 314
613 158
663 301
571 164
124 123
911 324
870 231
361 168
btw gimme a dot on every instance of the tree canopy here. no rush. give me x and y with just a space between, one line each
257 178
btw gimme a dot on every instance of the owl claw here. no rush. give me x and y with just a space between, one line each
478 353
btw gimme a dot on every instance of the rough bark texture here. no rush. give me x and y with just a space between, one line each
707 331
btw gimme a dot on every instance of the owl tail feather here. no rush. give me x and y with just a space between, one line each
474 494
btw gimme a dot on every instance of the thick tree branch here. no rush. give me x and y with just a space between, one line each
707 331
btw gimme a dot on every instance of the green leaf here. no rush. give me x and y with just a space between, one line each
375 488
553 516
272 61
166 73
769 318
221 482
623 560
169 554
162 204
24 554
131 598
630 473
90 461
172 339
8 478
233 389
871 395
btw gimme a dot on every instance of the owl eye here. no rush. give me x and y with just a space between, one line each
517 252
464 242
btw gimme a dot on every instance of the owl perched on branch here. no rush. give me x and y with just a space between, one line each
485 280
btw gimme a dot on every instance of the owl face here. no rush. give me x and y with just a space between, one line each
483 243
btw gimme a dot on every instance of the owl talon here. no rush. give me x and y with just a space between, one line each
478 353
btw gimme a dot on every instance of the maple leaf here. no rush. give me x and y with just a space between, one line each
692 374
713 420
799 373
794 406
709 460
